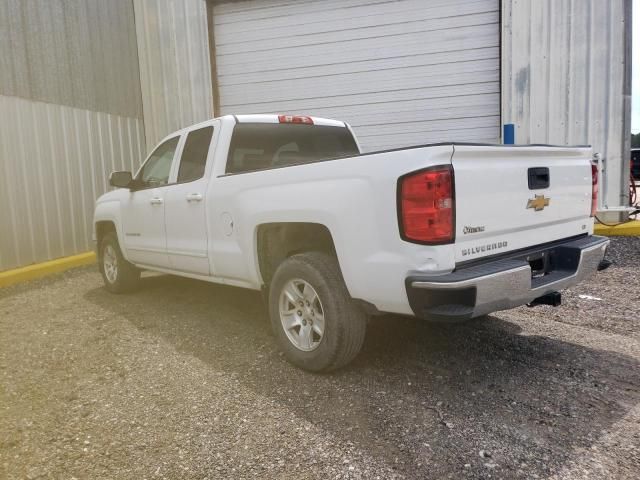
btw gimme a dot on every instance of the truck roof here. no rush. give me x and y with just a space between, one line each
262 118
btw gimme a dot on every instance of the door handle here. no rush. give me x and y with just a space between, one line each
156 201
194 197
538 178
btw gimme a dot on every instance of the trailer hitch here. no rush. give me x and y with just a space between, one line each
604 264
554 299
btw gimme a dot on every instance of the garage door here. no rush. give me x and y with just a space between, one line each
401 72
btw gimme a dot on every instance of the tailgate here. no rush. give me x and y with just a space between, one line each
499 209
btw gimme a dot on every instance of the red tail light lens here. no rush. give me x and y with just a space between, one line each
426 203
594 189
295 119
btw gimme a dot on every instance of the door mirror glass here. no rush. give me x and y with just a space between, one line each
120 179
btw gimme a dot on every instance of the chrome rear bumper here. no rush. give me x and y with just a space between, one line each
506 282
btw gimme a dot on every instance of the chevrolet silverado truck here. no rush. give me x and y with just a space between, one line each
290 206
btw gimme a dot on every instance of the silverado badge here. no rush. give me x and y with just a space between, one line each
538 203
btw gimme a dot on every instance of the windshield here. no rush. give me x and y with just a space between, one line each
256 146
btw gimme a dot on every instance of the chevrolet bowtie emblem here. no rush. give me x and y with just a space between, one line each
538 203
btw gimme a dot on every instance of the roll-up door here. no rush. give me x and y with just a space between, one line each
401 72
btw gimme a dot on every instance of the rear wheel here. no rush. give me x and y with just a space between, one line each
316 323
119 275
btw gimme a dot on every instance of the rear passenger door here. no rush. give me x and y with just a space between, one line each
186 206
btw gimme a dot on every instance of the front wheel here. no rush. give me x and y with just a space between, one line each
119 275
316 323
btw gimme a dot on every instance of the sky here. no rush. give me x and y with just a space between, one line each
635 66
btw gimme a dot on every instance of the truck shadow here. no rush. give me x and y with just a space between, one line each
424 397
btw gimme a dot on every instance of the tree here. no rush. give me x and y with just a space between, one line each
635 140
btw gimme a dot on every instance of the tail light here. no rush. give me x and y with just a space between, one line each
594 189
426 206
295 119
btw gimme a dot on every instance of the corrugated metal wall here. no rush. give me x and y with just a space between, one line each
80 53
100 66
564 78
80 57
400 72
175 71
54 162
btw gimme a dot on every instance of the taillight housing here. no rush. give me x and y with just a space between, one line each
594 189
426 206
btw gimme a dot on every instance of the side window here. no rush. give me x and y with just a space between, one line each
194 155
155 171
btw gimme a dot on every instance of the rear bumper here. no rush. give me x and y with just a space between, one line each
504 283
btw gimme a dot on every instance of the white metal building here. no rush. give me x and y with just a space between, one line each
402 72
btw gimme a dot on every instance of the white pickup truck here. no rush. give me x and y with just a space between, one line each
288 205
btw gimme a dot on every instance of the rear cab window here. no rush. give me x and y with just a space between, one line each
258 146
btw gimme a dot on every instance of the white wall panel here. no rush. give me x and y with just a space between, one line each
175 72
54 162
565 79
428 69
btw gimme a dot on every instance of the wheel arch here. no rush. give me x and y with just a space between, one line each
277 241
102 228
107 219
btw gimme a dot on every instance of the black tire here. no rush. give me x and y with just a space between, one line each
344 321
127 277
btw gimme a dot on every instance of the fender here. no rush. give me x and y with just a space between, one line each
109 211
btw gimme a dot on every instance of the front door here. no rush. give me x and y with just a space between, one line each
186 219
143 211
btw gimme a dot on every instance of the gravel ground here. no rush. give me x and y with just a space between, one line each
183 380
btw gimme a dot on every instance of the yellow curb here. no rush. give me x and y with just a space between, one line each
629 229
31 272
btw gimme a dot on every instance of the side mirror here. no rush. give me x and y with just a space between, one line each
120 179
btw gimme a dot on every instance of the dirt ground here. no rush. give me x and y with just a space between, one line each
183 380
